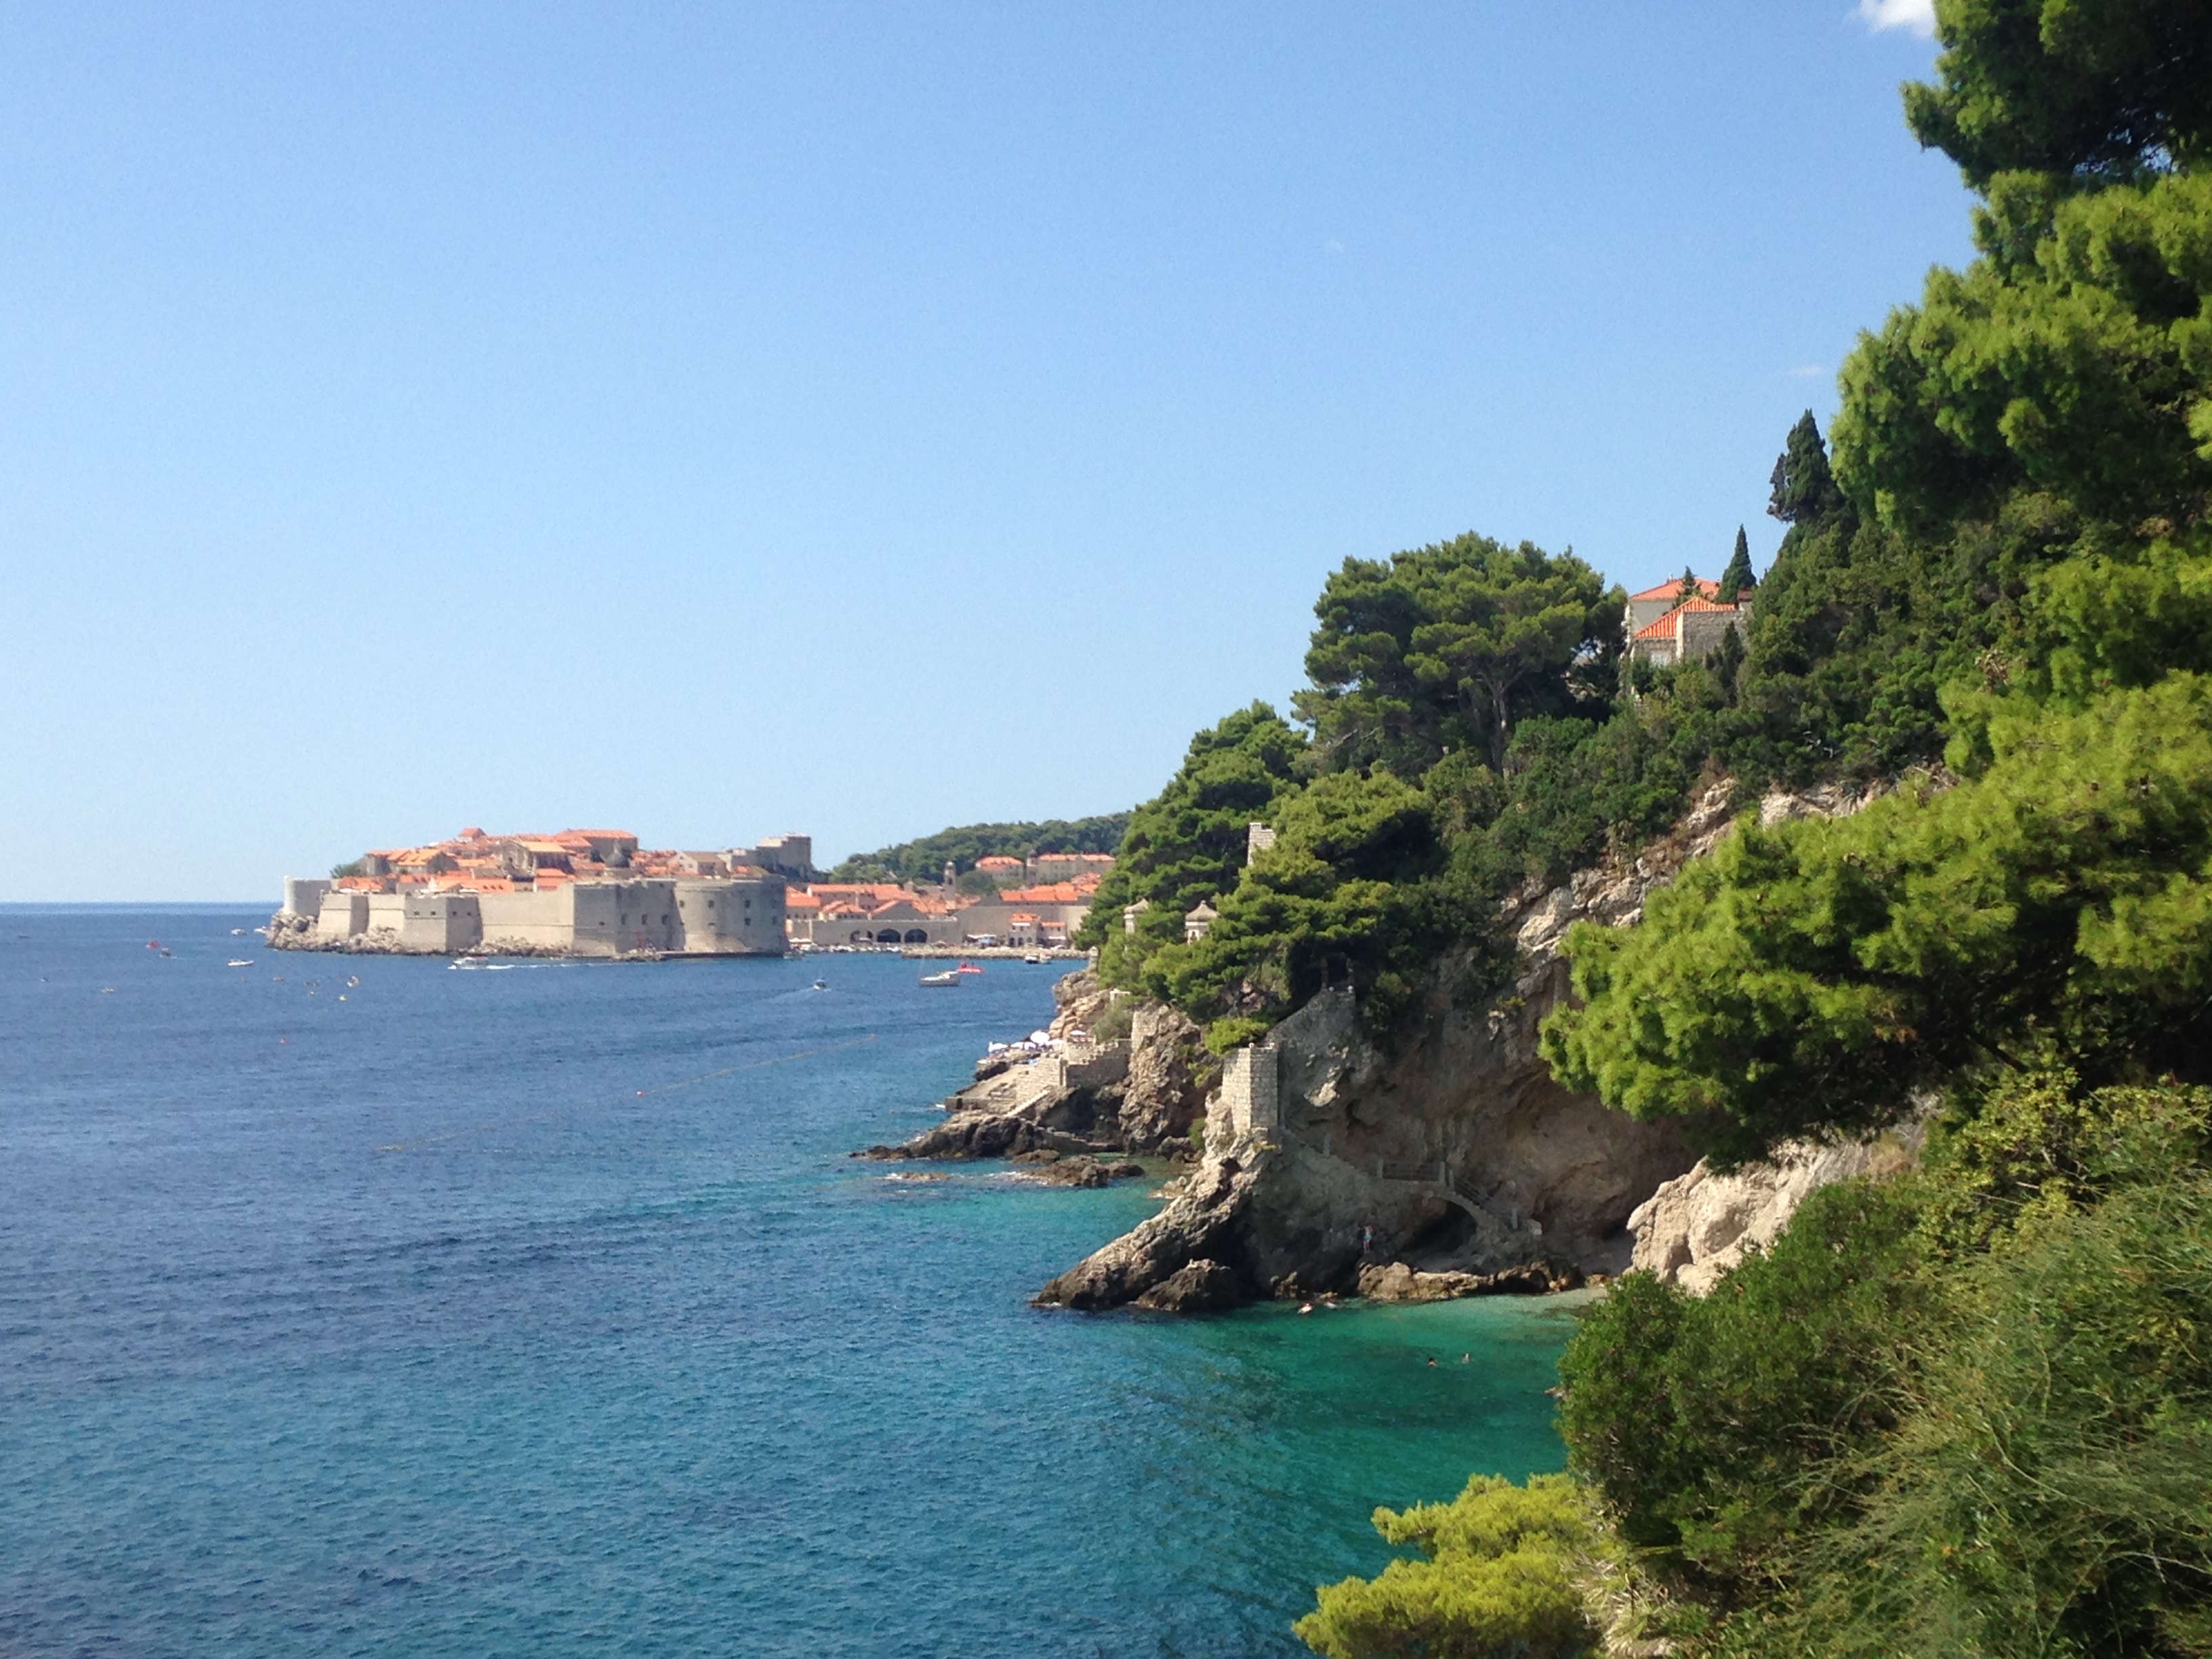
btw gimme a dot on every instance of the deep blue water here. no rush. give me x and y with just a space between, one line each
540 1312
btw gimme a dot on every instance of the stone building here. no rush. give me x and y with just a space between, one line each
1664 629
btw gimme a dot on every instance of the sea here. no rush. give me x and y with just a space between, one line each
370 1305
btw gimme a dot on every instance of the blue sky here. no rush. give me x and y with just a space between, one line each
857 419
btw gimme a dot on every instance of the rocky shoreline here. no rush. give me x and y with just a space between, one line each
1451 1164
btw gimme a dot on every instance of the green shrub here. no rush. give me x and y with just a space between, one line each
2050 1489
1113 1025
1703 1421
1966 1411
1496 1577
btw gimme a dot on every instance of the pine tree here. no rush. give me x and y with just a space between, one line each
1737 577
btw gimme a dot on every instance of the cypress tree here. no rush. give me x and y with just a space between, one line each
1737 577
1804 491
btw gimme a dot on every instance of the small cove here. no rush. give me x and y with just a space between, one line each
541 1312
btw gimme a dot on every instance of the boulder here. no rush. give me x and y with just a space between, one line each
983 1134
1195 1287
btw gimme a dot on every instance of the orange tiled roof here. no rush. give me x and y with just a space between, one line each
1661 629
1706 605
1672 588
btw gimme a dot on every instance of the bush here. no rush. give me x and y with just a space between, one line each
2051 1491
1700 1419
1497 1577
1968 1411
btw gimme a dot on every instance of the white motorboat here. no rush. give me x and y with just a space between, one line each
950 976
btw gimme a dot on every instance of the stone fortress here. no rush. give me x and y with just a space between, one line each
579 893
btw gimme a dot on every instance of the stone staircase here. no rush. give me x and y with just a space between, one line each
1435 1176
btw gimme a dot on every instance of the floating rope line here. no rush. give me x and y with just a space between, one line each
635 1094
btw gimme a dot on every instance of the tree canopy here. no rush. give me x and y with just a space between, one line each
1445 646
2095 89
2011 558
1189 842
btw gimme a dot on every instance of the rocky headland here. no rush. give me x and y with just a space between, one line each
1445 1163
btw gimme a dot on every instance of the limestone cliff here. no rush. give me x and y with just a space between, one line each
1699 1225
1452 1151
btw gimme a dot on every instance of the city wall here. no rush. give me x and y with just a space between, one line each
737 916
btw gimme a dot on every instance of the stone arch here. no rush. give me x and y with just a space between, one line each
917 936
889 936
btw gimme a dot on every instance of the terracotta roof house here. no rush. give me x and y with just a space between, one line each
1689 632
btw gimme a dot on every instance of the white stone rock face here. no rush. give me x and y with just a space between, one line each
1699 1225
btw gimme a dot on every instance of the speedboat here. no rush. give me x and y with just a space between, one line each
819 985
967 968
239 962
950 976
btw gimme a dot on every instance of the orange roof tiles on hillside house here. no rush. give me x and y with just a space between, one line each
1686 632
1671 590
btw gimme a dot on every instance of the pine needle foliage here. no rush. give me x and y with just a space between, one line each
1496 1578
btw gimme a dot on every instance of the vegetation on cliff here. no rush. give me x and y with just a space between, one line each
1968 1410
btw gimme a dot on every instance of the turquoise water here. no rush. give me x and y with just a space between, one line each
540 1312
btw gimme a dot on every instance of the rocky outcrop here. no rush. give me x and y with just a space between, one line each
1399 1283
1203 1216
1453 1153
1059 1171
1699 1225
966 1135
1171 1073
1139 1094
1194 1287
